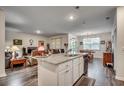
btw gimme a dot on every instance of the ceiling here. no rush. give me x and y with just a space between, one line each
54 20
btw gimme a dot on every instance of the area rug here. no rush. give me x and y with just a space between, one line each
85 81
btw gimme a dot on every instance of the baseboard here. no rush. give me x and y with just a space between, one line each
119 78
3 74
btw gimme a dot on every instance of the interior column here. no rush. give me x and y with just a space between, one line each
120 45
2 44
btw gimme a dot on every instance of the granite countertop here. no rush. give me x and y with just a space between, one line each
58 58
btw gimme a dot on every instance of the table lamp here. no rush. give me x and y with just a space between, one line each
7 49
14 49
41 48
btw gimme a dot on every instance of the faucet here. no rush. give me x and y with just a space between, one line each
68 51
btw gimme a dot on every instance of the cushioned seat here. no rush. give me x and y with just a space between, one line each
8 56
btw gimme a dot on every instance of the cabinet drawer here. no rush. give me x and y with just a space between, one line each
65 65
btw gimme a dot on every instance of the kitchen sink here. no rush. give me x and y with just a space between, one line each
71 55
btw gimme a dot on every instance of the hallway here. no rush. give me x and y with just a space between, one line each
104 76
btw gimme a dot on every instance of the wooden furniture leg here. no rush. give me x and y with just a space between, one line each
11 65
29 62
25 65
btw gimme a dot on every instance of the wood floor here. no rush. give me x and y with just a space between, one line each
20 77
103 76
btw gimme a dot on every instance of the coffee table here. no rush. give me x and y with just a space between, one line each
18 61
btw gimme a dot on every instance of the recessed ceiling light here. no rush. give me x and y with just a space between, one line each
38 31
71 17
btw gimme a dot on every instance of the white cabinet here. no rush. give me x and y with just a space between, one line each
75 70
65 77
81 66
75 73
64 74
56 43
78 67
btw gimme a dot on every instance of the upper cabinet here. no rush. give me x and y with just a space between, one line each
56 43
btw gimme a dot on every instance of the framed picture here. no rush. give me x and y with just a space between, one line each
102 42
17 42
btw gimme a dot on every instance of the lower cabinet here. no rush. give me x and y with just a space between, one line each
64 74
65 77
81 66
77 69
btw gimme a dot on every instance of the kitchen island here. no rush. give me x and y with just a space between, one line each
60 69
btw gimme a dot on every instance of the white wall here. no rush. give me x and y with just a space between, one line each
114 40
120 44
63 37
2 44
103 36
9 36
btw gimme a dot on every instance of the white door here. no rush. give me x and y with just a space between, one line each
65 77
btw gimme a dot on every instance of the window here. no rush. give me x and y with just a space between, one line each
53 43
91 43
56 43
73 46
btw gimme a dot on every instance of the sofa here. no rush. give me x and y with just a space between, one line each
8 56
90 54
36 53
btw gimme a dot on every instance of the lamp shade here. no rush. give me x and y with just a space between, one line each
14 48
8 48
41 48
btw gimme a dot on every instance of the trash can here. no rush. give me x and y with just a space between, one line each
86 60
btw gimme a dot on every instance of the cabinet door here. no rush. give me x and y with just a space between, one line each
61 78
80 69
81 66
68 78
65 77
75 72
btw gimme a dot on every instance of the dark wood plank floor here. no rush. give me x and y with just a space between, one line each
20 77
104 76
28 76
